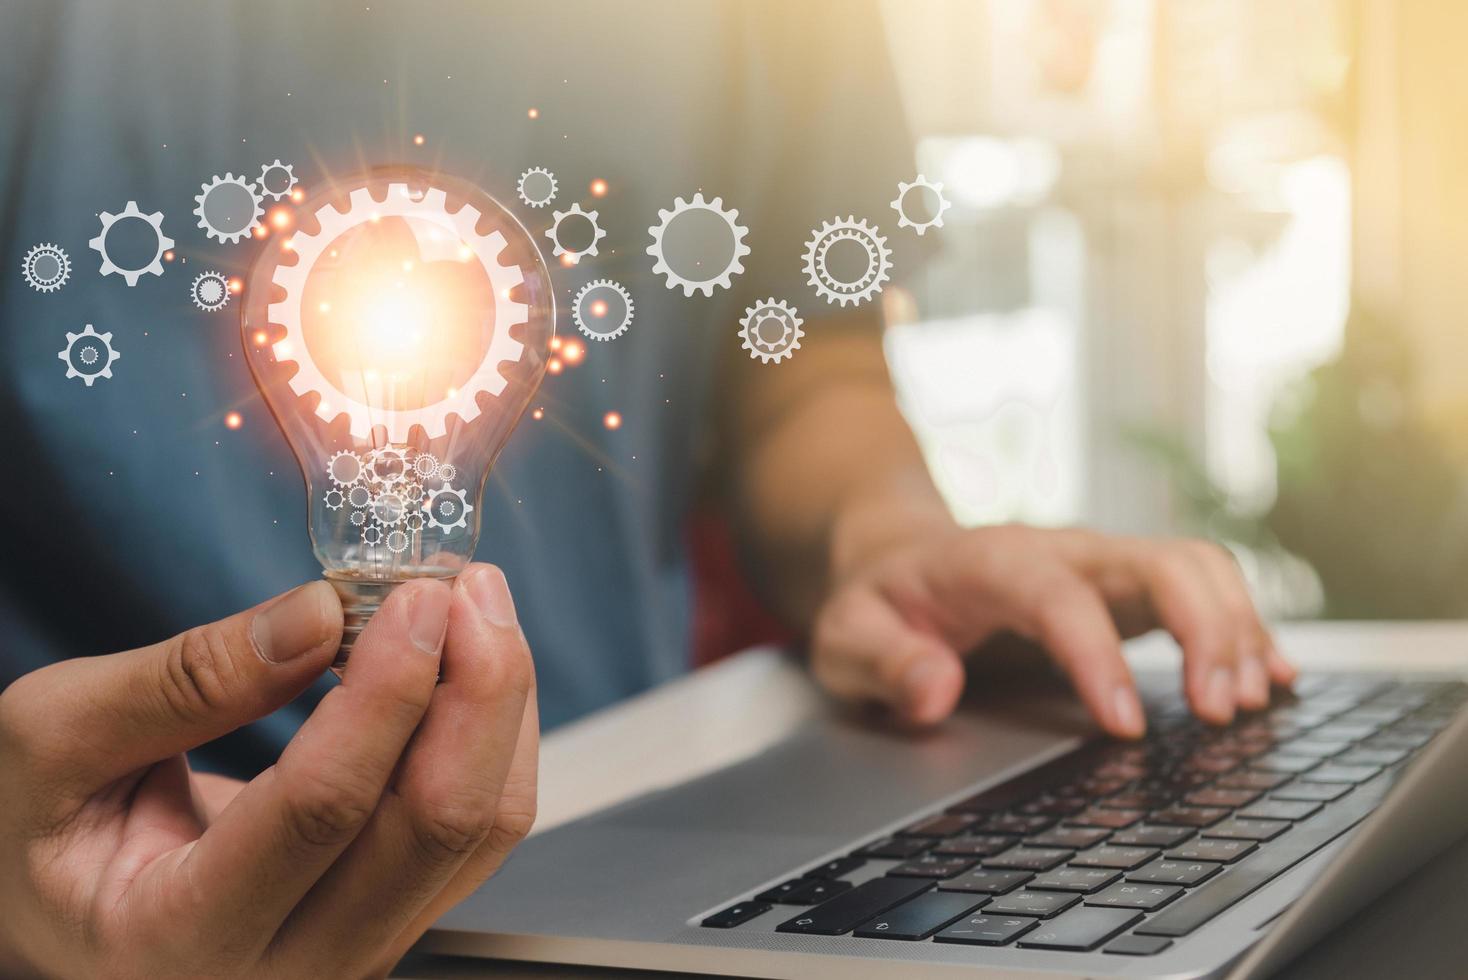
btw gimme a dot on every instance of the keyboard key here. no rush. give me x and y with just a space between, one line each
1138 946
1110 819
1315 748
1083 880
1312 792
1204 849
1055 806
1016 823
986 930
1241 829
943 825
1332 773
736 915
933 866
1029 858
989 880
1070 838
792 892
851 908
1222 796
839 868
1273 809
1136 799
1039 904
1190 816
974 845
1080 929
920 917
896 848
1165 872
1112 856
1279 762
1249 779
1345 732
1150 836
1372 757
1136 896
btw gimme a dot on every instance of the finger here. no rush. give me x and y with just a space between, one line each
444 801
863 650
98 718
285 828
1250 636
1281 671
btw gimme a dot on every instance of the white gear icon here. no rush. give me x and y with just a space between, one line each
446 472
397 541
425 465
359 496
272 172
46 267
239 217
765 318
554 232
372 535
389 508
430 205
344 468
163 243
706 279
904 220
386 466
359 518
547 191
847 290
86 348
334 500
413 520
587 295
210 291
447 509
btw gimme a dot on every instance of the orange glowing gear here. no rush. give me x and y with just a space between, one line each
429 205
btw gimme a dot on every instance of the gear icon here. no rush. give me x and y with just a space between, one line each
447 509
446 472
414 520
210 291
924 188
344 468
372 535
770 330
359 497
359 518
46 267
388 508
425 465
334 500
387 466
277 180
88 355
537 187
430 205
710 244
162 243
849 235
229 208
594 320
397 541
554 232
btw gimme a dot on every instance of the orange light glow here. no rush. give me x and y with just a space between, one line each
298 195
260 231
233 420
574 352
568 259
598 308
612 420
280 217
418 139
554 365
598 188
236 285
168 255
260 338
555 343
534 113
538 414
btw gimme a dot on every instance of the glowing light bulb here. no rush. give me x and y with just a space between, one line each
397 342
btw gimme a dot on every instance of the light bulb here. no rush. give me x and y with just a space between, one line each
397 335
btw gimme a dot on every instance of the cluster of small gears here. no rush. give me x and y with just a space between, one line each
602 310
392 494
210 291
229 208
277 180
903 204
46 267
537 187
162 243
88 355
556 234
770 330
717 241
846 289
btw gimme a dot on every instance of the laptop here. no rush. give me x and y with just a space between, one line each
1010 841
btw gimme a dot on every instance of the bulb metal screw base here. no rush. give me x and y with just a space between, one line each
360 599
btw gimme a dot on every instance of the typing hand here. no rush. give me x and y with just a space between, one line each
896 625
394 800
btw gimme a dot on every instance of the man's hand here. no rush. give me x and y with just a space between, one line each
395 799
898 622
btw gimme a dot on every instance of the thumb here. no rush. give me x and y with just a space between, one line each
144 705
863 649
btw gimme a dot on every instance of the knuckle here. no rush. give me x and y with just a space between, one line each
452 828
198 674
331 810
511 827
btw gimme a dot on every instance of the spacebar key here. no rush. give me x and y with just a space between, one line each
1254 873
851 908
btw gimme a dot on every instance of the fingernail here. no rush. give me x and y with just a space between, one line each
917 680
428 617
491 593
1253 684
1126 711
294 624
1218 694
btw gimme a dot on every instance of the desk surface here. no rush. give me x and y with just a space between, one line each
619 753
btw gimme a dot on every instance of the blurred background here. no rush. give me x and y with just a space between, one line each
1204 273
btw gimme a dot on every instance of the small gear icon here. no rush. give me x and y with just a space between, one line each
446 472
708 244
210 291
344 468
770 330
277 180
537 187
88 355
602 309
162 243
46 267
387 466
854 282
372 536
447 509
425 465
575 214
334 499
397 541
359 518
229 208
359 497
934 212
388 508
414 520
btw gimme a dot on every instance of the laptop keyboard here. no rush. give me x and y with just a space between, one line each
1125 847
